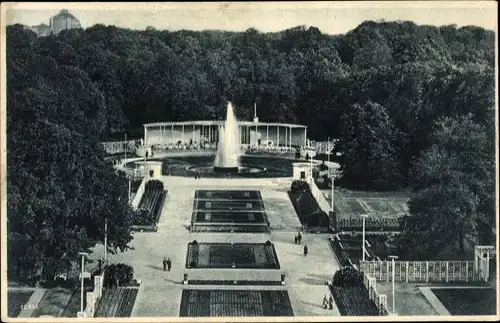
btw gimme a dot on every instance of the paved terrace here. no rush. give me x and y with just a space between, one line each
160 292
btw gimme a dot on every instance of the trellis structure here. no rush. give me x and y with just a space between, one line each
482 256
433 271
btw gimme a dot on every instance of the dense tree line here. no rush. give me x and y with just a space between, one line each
413 74
382 89
59 187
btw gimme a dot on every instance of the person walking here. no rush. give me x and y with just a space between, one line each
330 302
296 239
164 264
299 237
325 301
169 264
306 250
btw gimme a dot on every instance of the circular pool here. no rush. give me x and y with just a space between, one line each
250 167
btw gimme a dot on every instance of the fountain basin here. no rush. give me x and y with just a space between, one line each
226 170
210 169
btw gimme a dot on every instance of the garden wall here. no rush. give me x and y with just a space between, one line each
93 296
138 194
233 274
320 198
380 300
423 271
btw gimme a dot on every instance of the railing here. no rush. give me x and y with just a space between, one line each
320 198
380 300
139 194
423 271
113 147
93 296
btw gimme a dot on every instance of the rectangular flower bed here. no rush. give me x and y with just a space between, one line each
232 255
354 301
308 210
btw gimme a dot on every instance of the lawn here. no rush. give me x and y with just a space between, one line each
16 300
59 302
356 207
467 301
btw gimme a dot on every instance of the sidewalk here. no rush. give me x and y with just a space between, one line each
28 308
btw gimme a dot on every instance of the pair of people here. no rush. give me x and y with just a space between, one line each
328 301
298 238
167 264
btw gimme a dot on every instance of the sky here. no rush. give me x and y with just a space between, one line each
332 18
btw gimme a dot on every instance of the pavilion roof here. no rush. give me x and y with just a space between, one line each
219 122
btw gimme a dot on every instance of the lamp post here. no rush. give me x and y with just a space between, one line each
393 284
83 254
311 168
105 241
129 188
364 216
328 150
334 173
126 146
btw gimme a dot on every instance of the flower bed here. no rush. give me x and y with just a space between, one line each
149 209
353 301
117 302
348 249
307 208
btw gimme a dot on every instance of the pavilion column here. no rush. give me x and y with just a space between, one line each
286 136
182 133
145 135
277 135
305 137
290 137
173 136
267 135
194 129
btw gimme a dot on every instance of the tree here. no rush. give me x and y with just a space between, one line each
454 191
367 144
60 189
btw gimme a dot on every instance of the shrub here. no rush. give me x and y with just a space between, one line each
318 219
268 243
154 184
192 264
194 242
118 273
348 277
323 167
299 186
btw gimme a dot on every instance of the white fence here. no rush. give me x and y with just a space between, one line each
138 195
320 198
93 296
423 271
380 300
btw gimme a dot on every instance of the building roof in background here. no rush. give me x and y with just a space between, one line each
65 15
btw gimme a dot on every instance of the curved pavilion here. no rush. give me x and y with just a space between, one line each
251 133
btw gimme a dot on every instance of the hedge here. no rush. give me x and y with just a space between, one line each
120 273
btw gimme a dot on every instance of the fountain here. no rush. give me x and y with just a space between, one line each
228 149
